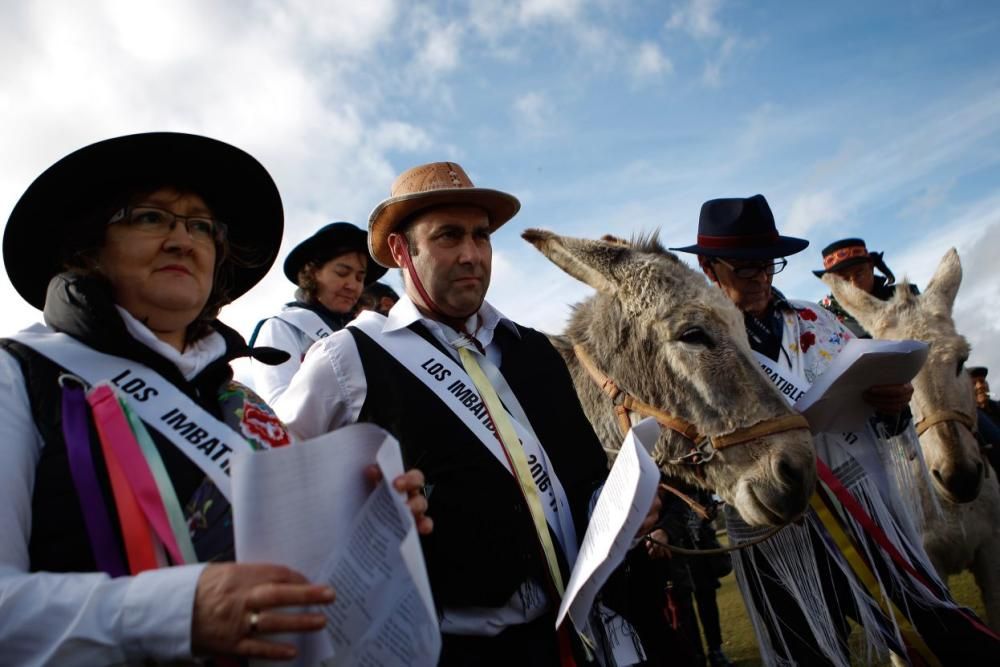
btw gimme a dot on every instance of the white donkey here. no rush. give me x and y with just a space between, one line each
965 532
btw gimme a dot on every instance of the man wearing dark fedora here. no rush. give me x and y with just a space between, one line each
487 408
851 260
801 589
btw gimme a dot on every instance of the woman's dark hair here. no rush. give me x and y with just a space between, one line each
306 278
80 248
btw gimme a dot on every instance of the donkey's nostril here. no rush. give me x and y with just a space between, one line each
788 472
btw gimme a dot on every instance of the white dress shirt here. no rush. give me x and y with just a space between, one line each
82 618
329 391
269 381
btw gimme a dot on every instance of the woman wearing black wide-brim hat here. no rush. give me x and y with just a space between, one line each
330 269
121 416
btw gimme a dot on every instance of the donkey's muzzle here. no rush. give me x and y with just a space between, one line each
960 483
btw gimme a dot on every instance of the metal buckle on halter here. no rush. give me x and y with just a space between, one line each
700 454
65 378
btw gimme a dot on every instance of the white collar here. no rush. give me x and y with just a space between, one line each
405 313
191 361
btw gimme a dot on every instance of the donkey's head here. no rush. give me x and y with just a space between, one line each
943 403
665 336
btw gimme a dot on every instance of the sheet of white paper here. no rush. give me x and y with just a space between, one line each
834 403
308 506
620 509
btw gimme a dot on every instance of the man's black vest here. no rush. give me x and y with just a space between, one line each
484 544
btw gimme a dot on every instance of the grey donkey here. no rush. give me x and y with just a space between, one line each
665 336
962 526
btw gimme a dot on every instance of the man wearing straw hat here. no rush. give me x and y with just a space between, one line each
486 407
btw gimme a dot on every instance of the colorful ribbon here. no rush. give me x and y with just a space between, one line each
854 508
76 431
140 509
171 505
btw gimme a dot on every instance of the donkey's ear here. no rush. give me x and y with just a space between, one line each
943 287
864 307
591 262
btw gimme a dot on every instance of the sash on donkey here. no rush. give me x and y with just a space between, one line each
869 538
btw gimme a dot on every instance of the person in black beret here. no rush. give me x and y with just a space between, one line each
851 260
330 269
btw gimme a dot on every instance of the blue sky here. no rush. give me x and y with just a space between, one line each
852 118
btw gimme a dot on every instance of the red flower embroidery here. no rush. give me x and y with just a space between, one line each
808 314
807 340
265 426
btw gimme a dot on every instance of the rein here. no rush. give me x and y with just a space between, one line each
703 447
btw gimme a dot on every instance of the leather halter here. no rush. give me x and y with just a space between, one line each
703 447
943 416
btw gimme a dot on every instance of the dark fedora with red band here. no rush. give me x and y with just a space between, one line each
844 253
741 228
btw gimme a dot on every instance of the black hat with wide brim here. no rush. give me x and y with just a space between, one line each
978 371
325 244
741 228
237 188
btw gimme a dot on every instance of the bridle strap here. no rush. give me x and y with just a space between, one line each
943 416
759 430
629 403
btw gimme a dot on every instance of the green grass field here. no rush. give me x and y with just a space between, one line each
741 646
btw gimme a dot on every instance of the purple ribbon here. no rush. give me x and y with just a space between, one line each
76 433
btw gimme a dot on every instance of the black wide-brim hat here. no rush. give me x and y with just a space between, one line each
846 253
237 188
336 237
741 228
978 371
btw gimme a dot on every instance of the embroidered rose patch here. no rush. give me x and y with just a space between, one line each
807 339
262 425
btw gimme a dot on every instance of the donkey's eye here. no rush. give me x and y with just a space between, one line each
696 336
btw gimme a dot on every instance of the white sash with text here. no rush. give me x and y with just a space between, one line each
860 446
306 321
207 441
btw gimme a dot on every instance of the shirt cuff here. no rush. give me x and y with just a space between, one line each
157 612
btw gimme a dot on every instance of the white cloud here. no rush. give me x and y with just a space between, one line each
339 26
712 75
697 18
811 210
439 45
649 62
532 11
533 112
